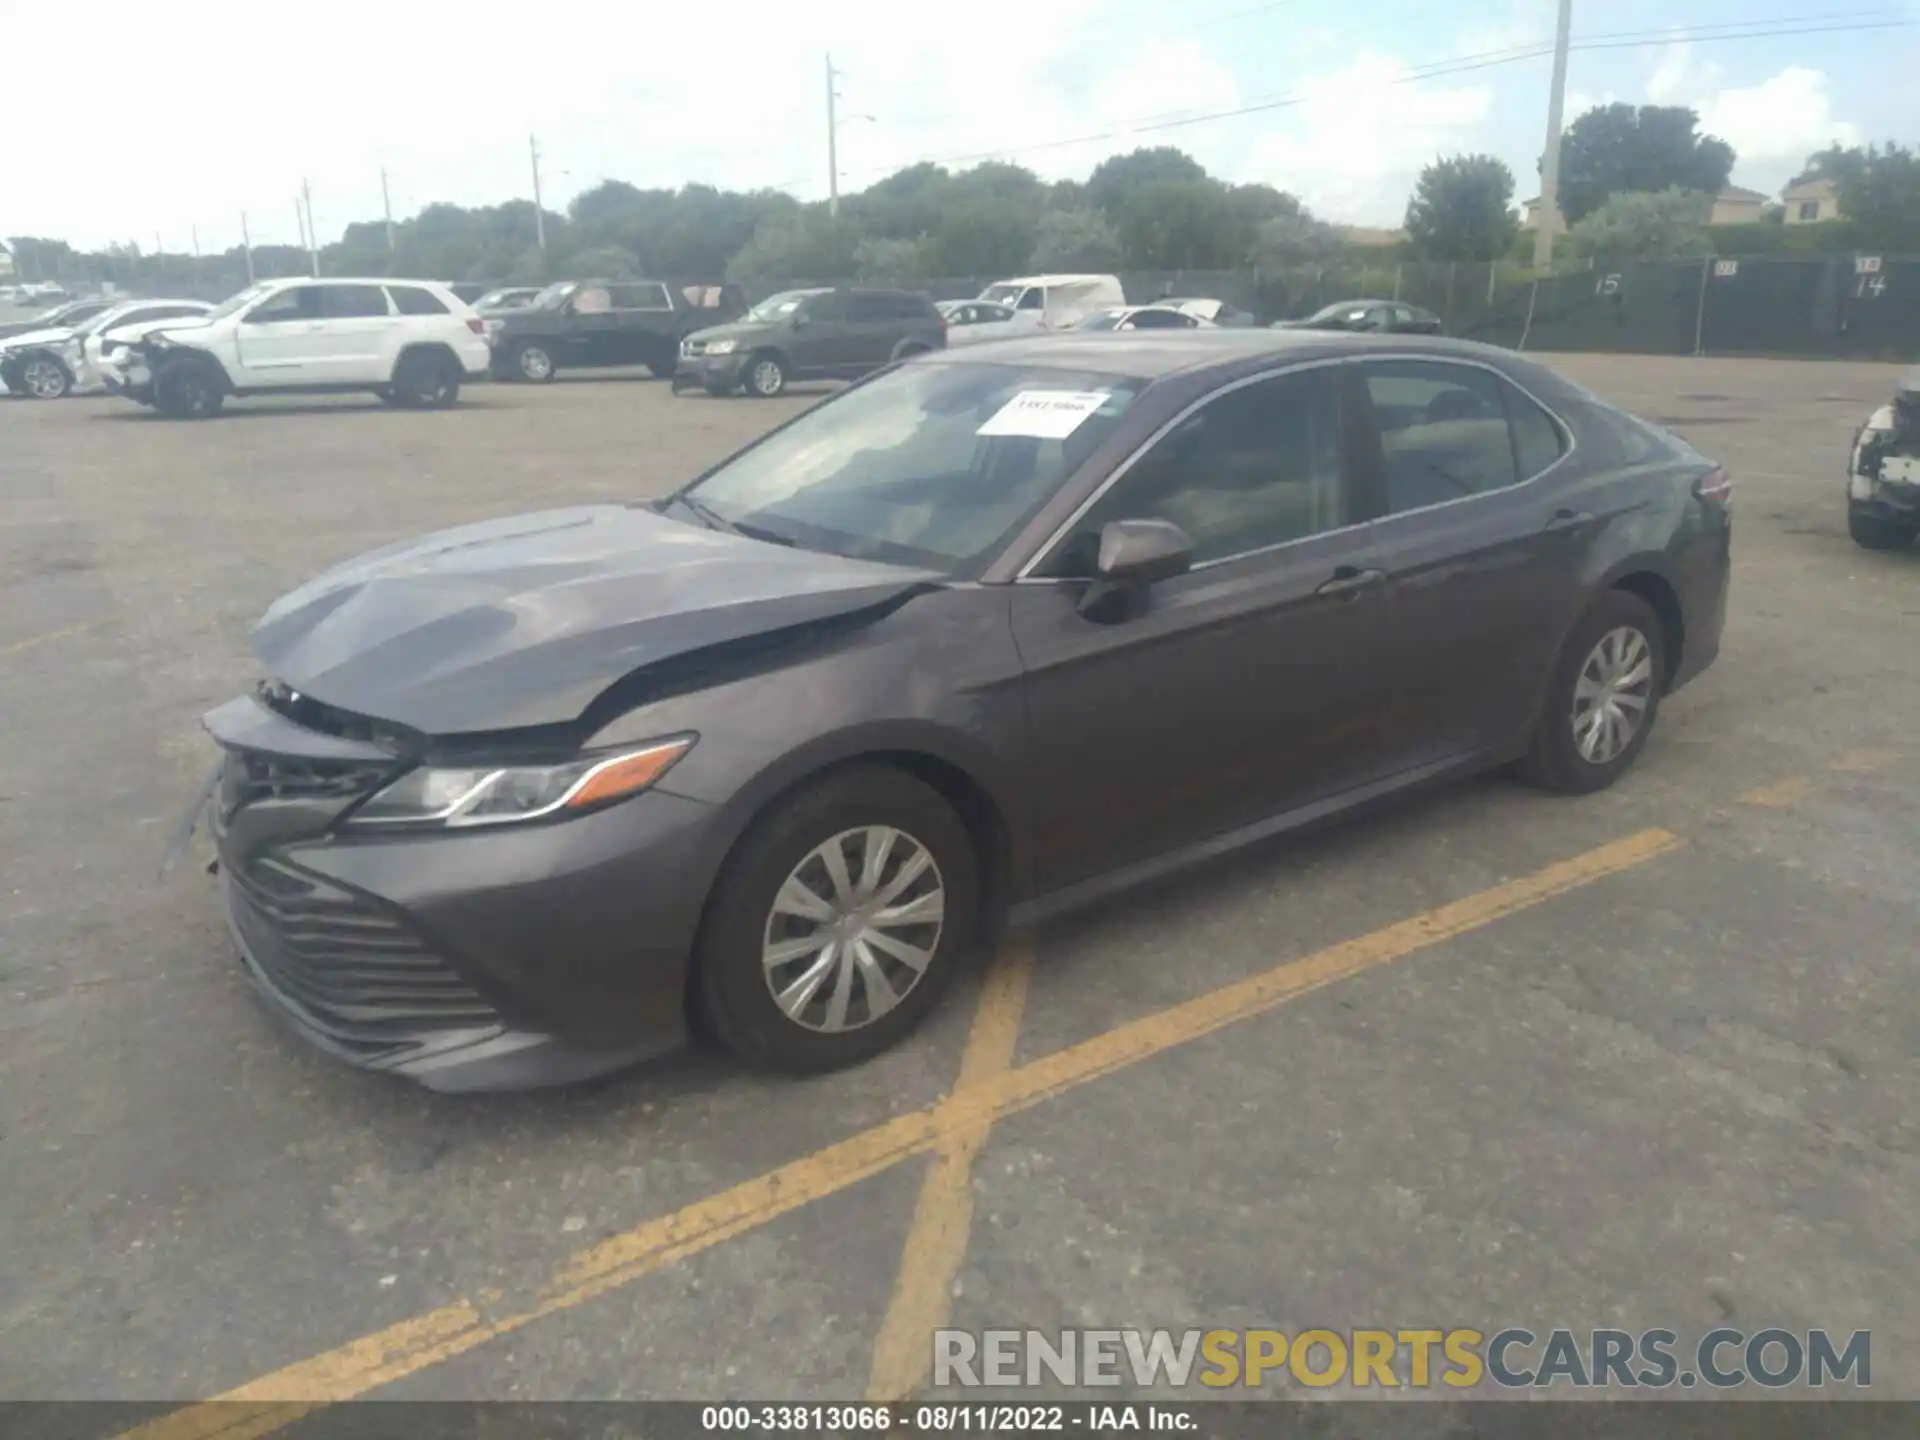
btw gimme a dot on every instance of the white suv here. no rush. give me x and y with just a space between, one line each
411 342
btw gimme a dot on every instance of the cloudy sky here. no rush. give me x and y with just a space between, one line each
167 125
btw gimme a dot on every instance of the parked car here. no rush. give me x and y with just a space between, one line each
113 356
513 297
469 291
411 342
1142 317
1883 478
1216 312
1058 300
605 322
971 321
52 364
826 334
1378 316
60 317
989 635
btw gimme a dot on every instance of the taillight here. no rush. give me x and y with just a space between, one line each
476 324
1716 487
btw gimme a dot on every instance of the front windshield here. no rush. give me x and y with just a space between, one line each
106 318
234 304
929 465
554 296
1002 294
778 307
500 299
1102 320
1334 312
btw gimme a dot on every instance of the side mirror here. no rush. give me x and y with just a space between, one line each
1134 554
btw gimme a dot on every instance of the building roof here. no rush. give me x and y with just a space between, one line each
1819 187
1735 192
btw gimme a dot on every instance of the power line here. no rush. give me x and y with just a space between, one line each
1617 40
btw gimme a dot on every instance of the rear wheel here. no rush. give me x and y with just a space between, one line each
186 389
1603 698
838 922
1876 532
766 376
45 378
425 380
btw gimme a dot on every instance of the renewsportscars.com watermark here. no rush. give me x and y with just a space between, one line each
1401 1359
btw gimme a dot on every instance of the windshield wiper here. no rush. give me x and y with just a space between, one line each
706 514
761 532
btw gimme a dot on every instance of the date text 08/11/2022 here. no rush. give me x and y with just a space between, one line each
977 1418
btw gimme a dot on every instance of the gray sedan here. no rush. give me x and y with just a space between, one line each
986 636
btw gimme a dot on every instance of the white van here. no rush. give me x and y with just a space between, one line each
1057 301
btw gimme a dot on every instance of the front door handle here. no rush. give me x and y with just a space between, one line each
1349 583
1565 520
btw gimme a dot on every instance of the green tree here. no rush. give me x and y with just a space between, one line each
1292 239
811 245
1879 192
1667 225
1119 176
1078 239
1619 148
1462 209
895 260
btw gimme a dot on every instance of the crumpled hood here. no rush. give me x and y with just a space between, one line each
38 339
524 621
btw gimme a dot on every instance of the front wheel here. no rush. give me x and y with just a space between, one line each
188 390
1875 532
533 362
1602 700
45 378
838 922
766 376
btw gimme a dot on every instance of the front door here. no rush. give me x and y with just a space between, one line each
277 342
592 336
1243 688
1485 559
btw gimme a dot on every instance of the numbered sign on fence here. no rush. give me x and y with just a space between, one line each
1726 268
1866 264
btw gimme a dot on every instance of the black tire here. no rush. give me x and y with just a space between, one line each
188 389
43 377
734 987
766 375
1554 760
425 380
719 389
539 357
385 392
1875 532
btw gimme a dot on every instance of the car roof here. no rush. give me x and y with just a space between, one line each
1155 354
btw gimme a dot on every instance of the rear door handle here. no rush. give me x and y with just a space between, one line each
1349 583
1565 520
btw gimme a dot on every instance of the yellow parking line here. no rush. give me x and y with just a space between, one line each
414 1345
1859 762
47 637
936 1244
1782 794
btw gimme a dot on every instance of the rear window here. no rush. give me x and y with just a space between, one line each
412 300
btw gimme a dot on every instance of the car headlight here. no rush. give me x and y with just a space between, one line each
70 350
721 347
452 797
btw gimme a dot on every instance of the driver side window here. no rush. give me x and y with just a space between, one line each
294 304
1256 467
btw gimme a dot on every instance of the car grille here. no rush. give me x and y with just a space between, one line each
352 970
250 776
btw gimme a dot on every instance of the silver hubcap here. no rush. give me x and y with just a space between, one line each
766 377
853 929
536 364
1611 696
44 380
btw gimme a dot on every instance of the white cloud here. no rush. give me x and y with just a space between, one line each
1773 126
1353 149
1677 76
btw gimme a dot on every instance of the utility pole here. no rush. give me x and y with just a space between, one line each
246 244
313 236
1549 218
386 204
539 213
833 147
196 242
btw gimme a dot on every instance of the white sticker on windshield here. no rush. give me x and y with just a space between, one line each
1045 414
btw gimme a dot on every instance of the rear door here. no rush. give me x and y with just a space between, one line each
874 328
1244 687
1482 544
356 339
644 331
819 344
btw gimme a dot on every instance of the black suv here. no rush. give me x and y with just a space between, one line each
836 334
604 322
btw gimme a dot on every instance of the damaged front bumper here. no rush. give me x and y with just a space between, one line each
1884 478
495 959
